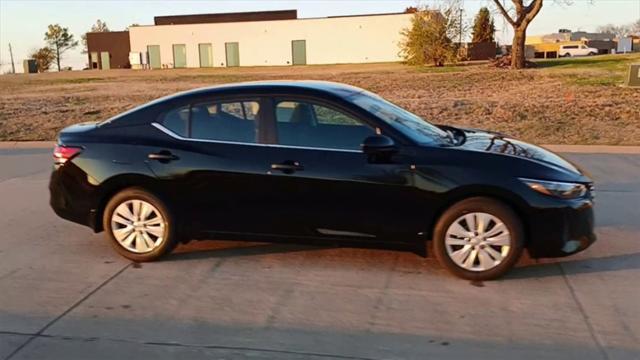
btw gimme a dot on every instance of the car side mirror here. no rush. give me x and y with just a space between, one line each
379 145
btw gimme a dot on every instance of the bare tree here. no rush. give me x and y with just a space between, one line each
519 17
99 26
619 31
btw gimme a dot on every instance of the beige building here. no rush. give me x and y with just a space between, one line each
331 40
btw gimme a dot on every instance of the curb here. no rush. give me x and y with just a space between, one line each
27 144
576 149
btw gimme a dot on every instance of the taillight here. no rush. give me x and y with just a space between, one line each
62 154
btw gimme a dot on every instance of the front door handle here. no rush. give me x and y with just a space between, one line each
163 156
287 167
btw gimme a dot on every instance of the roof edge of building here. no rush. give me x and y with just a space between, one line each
106 32
213 18
296 19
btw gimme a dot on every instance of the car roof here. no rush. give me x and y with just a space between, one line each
277 86
274 87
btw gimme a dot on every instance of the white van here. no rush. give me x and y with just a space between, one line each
576 50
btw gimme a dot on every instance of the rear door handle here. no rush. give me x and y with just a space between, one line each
163 156
288 167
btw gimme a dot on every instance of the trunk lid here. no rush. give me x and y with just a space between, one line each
76 133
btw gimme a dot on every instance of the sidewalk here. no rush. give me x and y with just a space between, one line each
584 149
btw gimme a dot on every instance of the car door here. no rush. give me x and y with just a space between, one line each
330 187
211 160
584 50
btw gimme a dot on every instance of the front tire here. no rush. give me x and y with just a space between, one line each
478 239
139 225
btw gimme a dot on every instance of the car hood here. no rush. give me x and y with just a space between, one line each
495 143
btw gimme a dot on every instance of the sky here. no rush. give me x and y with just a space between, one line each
24 22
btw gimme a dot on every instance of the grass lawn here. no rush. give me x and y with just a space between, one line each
607 70
563 101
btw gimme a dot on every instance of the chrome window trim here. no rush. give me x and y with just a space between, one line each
178 137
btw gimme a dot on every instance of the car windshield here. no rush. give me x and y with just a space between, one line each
404 121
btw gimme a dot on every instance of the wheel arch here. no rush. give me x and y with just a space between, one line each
114 185
512 200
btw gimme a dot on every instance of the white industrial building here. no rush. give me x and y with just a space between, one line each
240 41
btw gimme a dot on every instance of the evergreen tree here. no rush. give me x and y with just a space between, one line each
483 27
59 41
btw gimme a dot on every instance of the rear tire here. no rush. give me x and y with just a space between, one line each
478 239
139 225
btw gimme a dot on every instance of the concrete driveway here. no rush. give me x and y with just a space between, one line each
65 294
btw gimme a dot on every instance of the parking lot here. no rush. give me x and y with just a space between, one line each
65 294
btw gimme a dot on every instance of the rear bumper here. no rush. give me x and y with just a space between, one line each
563 230
69 196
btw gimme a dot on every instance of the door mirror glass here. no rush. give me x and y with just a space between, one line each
378 144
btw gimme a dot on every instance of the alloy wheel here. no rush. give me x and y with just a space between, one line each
138 226
477 241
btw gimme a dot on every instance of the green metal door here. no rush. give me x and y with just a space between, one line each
93 60
299 52
233 54
154 56
206 55
104 58
179 56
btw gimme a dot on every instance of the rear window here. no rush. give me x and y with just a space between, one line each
225 121
177 120
216 120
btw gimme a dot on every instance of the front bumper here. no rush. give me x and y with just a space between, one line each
563 230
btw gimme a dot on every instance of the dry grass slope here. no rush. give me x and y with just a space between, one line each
568 101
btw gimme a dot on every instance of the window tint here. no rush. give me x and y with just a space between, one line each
225 121
312 125
177 120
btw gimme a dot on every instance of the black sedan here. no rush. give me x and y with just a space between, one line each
317 161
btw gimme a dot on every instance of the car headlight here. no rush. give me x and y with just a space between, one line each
563 190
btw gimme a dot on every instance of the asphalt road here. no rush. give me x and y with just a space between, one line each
65 294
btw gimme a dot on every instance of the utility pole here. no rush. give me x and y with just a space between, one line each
460 26
13 66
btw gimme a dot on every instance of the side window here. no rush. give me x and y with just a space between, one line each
312 125
225 121
177 120
329 116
